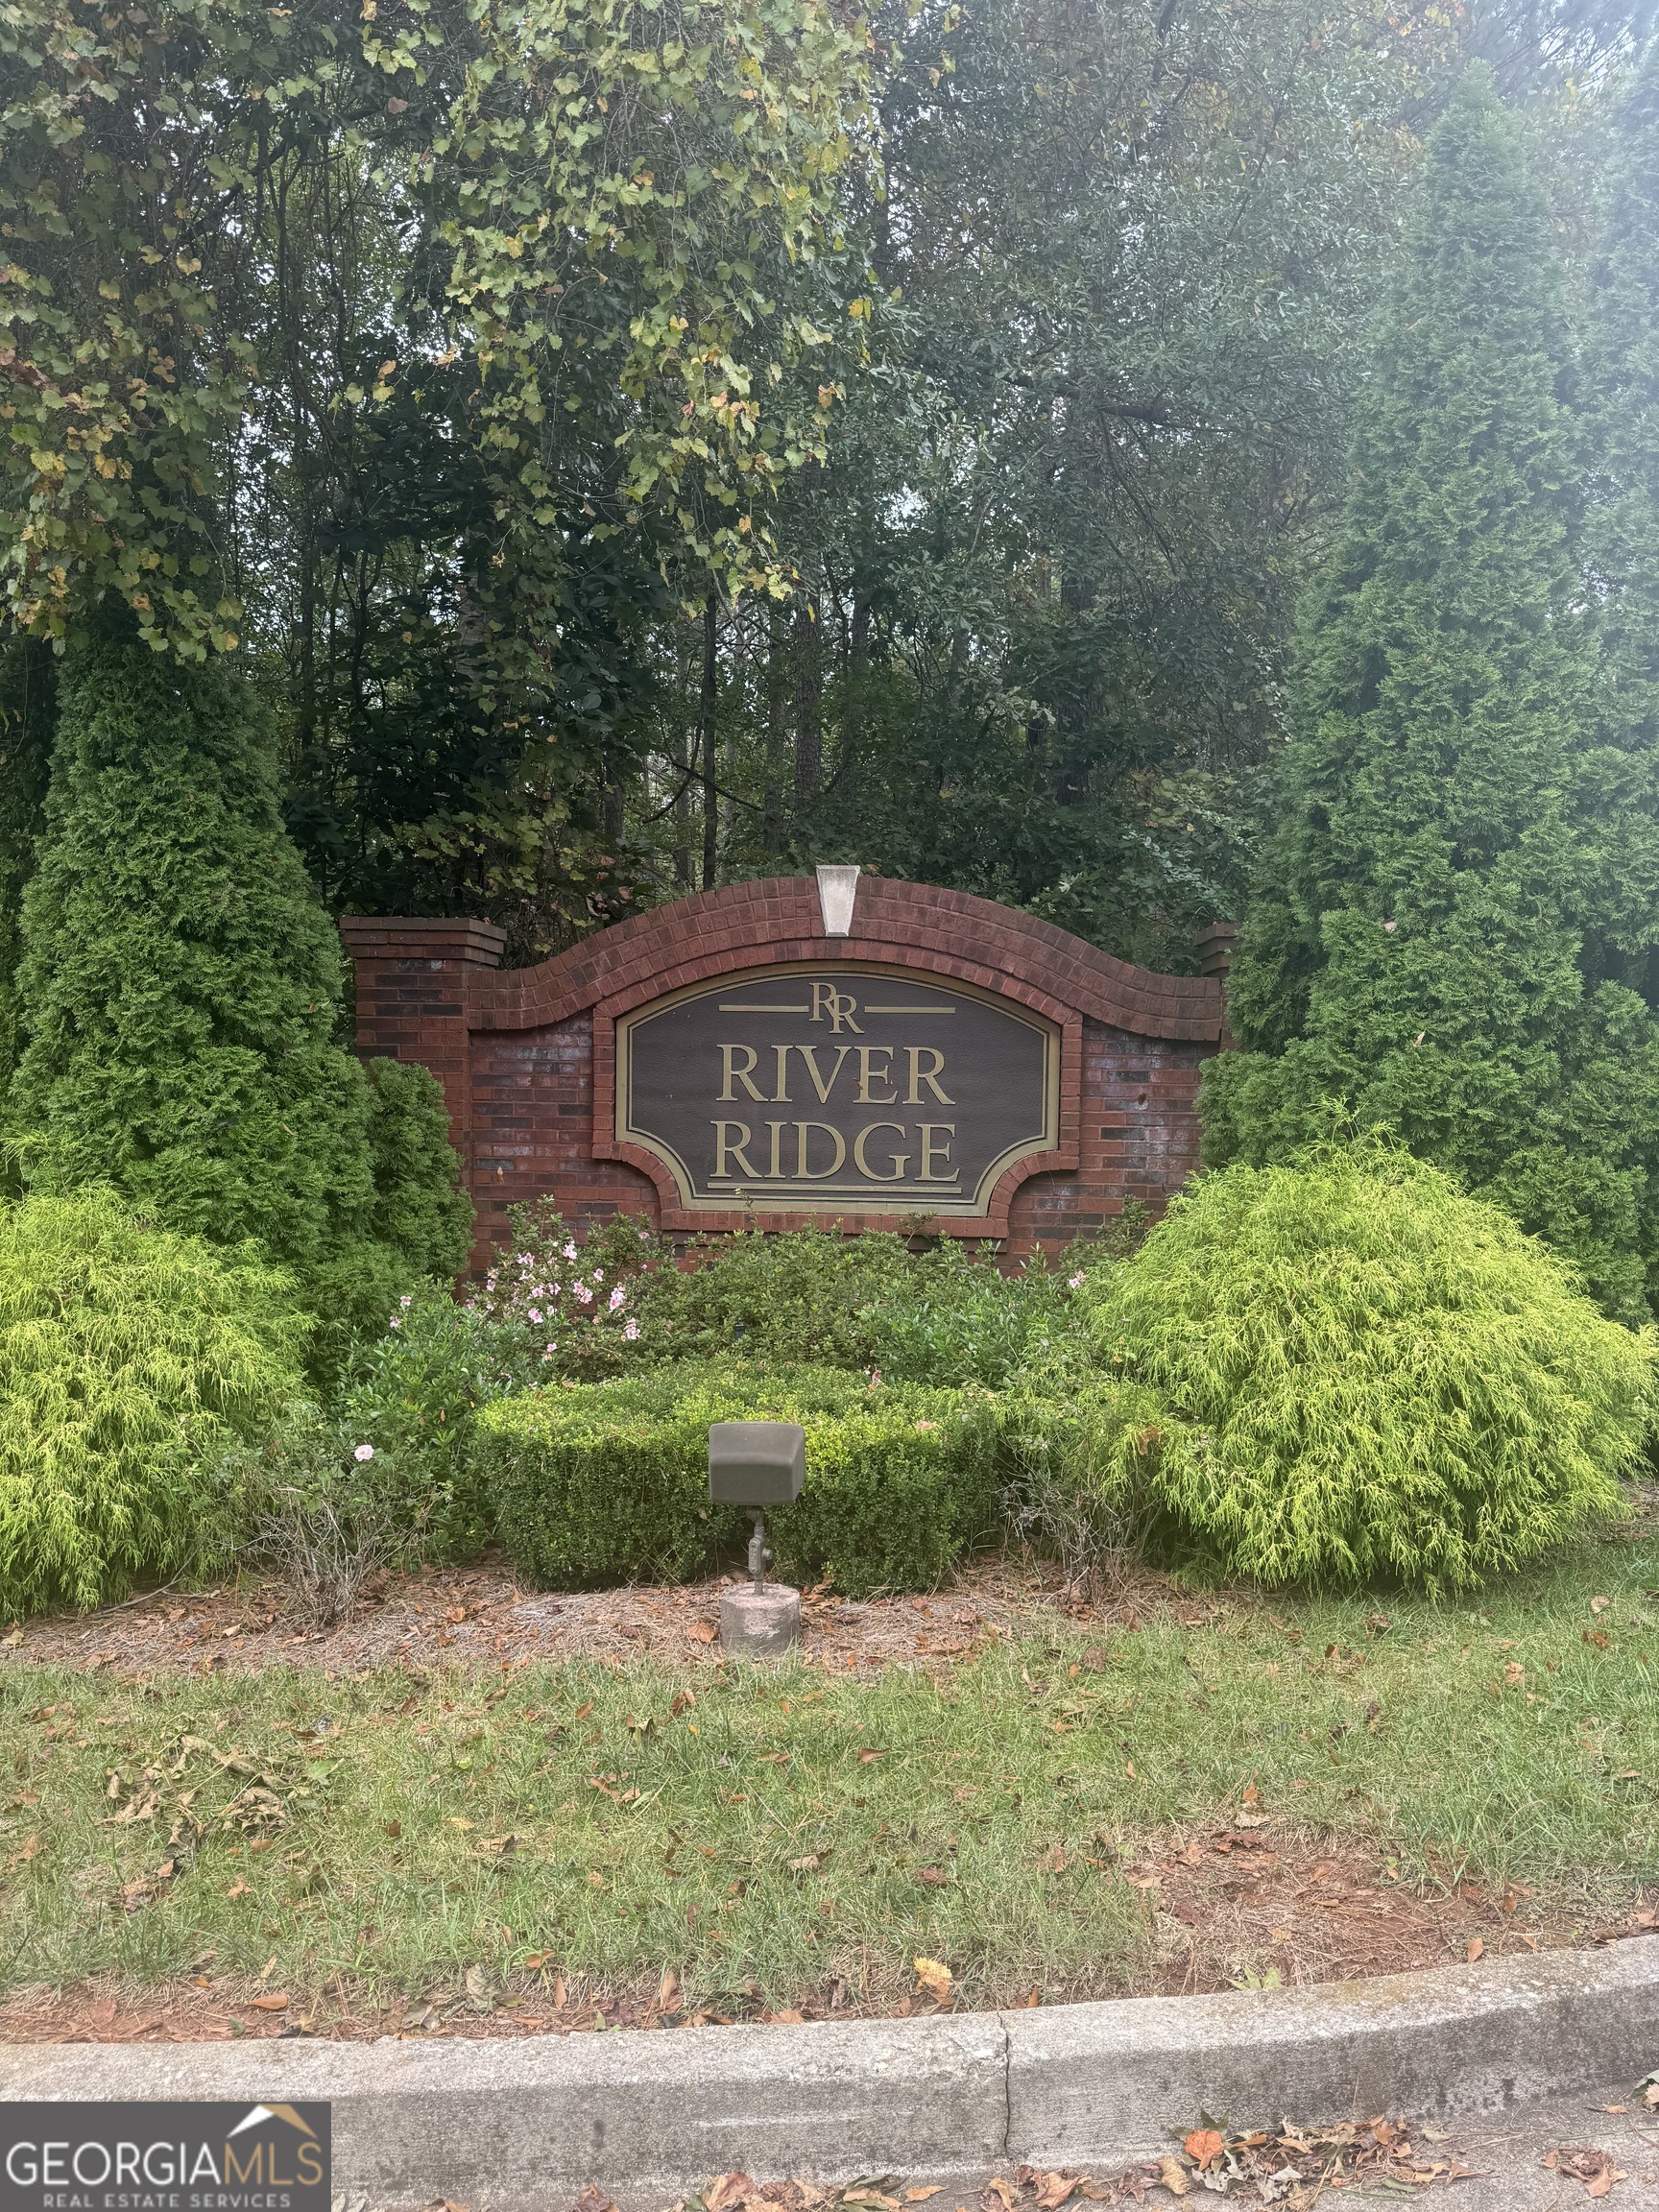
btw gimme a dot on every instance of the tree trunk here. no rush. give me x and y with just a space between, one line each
776 729
808 705
708 734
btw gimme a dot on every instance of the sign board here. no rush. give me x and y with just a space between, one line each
838 1087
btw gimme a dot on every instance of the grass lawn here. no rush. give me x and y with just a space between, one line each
1066 1814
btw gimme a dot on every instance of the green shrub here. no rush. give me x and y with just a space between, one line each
1347 1369
177 999
130 1359
801 1294
607 1482
319 1509
413 1393
953 1317
571 1298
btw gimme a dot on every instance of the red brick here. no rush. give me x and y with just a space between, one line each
527 1062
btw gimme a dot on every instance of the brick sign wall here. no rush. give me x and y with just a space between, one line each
849 1050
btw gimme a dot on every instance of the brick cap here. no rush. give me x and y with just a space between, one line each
422 937
778 919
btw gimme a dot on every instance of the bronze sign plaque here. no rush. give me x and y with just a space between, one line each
838 1089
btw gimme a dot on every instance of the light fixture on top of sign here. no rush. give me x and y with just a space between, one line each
837 889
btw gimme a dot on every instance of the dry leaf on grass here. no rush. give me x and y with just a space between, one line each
934 1979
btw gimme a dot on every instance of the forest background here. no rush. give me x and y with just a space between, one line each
961 537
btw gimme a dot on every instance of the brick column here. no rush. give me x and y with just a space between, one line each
414 989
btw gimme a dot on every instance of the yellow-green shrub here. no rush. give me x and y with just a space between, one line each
130 1358
607 1481
1348 1368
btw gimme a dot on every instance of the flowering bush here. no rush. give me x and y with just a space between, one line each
572 1302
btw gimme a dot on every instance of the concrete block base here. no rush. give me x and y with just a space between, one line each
759 1624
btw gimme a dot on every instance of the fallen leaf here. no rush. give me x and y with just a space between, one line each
391 1828
1600 1604
274 2001
28 1852
865 1757
730 2192
1174 2176
921 2196
1204 2146
592 2199
703 1631
1475 1950
934 1979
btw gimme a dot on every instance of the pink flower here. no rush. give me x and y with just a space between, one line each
618 1297
535 1315
521 1259
1074 1282
395 1322
599 1274
407 1299
632 1330
364 1452
584 1296
569 1250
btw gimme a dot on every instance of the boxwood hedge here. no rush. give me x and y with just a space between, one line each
605 1483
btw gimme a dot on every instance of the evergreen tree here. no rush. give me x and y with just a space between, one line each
179 988
1621 399
1423 953
28 693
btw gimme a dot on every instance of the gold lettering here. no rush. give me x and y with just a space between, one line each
252 2172
816 1174
929 1075
900 1160
777 1128
732 1145
929 1147
868 1074
840 1007
729 1069
822 1085
311 2164
781 1096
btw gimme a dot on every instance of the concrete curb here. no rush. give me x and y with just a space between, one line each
527 2124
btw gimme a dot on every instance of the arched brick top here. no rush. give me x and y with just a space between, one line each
778 919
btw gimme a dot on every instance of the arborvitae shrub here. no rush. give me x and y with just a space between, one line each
178 994
130 1359
1347 1369
1453 920
608 1482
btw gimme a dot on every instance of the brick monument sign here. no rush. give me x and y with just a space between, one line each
853 1051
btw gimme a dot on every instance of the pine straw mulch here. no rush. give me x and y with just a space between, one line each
482 1616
